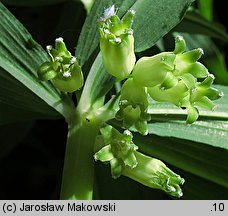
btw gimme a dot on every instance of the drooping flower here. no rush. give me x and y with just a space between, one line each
120 151
173 77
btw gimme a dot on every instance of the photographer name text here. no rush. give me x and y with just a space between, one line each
70 207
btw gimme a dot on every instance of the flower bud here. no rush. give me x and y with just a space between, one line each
117 43
204 89
154 173
134 94
118 149
189 95
203 94
193 114
151 71
70 79
47 71
63 69
133 116
133 106
186 62
180 45
167 68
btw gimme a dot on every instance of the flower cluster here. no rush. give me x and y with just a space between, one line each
167 77
175 77
63 69
133 106
120 151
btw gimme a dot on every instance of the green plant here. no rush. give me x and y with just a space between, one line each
130 91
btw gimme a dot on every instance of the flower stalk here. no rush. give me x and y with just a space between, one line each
78 172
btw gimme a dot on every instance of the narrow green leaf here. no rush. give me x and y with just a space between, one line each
20 56
206 9
18 103
202 160
153 21
214 133
196 24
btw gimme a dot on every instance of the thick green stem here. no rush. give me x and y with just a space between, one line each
78 170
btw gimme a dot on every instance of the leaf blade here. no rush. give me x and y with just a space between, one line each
196 24
214 133
150 28
202 160
20 56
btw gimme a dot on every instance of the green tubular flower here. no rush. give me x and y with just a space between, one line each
172 77
201 96
191 96
117 43
151 71
69 79
173 95
133 106
155 174
186 62
204 89
63 69
167 68
118 149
